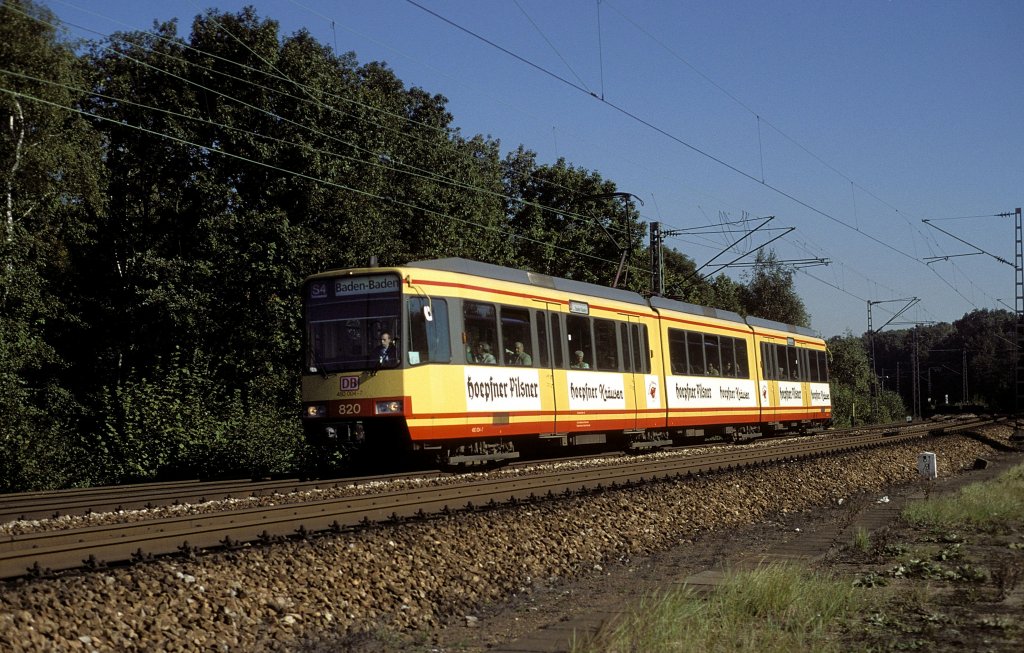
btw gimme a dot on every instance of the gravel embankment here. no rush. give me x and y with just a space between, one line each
299 595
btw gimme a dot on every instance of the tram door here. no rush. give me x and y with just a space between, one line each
549 358
635 363
768 389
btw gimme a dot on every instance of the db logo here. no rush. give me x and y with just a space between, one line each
348 383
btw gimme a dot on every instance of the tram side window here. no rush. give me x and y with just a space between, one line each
822 366
429 341
623 336
578 332
677 351
712 356
606 345
796 367
516 335
742 368
813 373
727 348
782 363
695 353
541 325
556 342
638 342
769 366
645 349
480 329
792 367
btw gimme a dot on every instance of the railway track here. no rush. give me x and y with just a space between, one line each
52 551
53 504
83 501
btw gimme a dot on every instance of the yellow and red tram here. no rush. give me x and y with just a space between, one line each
482 362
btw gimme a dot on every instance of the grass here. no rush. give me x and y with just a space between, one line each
776 608
782 608
996 505
862 540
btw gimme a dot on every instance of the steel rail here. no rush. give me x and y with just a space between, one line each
60 550
113 498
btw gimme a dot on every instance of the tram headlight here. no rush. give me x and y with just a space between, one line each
316 410
389 407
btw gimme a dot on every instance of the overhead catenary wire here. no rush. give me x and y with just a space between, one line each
548 41
375 158
281 76
718 160
326 17
222 152
758 117
666 133
276 74
822 162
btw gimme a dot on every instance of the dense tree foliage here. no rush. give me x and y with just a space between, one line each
855 400
52 183
769 292
163 196
968 363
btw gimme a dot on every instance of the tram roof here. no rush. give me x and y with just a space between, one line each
501 273
779 326
694 309
571 286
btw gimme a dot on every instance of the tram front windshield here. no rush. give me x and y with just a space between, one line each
345 318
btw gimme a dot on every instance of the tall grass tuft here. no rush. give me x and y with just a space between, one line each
996 504
777 608
862 540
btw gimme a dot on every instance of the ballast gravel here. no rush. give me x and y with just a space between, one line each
310 594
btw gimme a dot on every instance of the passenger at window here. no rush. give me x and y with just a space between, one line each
578 363
484 355
520 357
711 370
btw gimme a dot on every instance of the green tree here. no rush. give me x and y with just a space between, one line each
988 337
769 292
851 378
283 160
51 187
196 253
567 222
727 294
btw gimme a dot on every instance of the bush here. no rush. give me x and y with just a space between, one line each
185 425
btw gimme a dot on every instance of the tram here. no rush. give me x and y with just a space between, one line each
462 363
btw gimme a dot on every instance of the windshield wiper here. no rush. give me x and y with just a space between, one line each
318 365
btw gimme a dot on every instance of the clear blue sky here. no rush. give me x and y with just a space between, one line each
850 121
